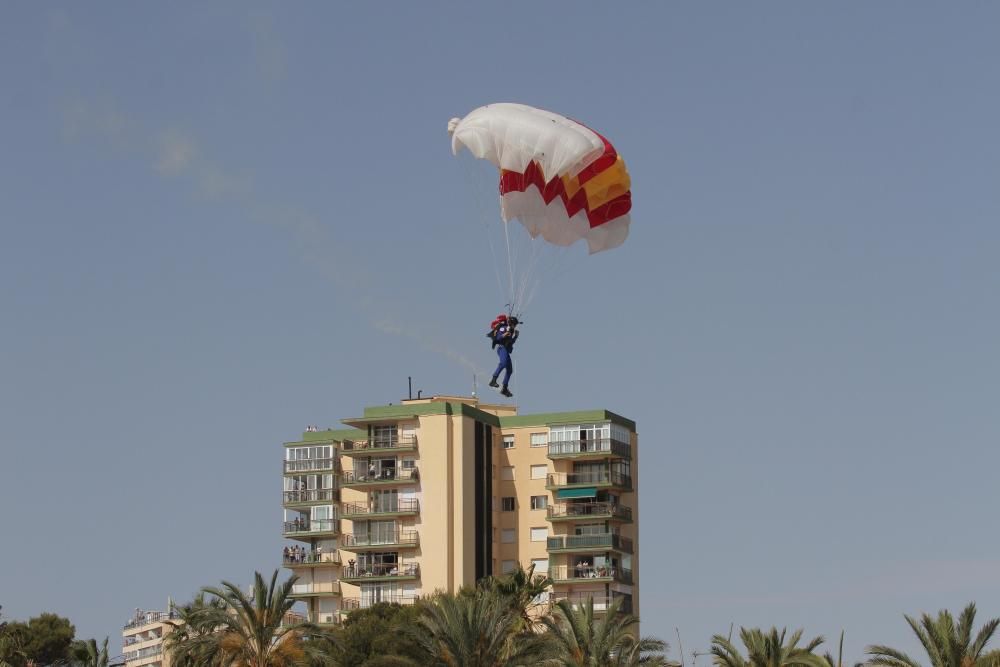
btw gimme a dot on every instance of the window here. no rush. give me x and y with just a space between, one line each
507 566
539 502
539 439
538 472
507 536
508 442
507 504
384 435
541 565
507 473
539 534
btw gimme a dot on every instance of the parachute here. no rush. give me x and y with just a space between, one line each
563 181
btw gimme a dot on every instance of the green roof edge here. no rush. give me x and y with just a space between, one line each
574 417
390 412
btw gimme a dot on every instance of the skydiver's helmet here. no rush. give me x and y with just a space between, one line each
514 321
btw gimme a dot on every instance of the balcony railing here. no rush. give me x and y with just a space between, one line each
301 526
303 559
293 618
601 602
597 541
588 511
400 506
309 496
310 465
401 538
597 478
400 570
350 604
323 588
144 652
142 637
590 572
147 617
366 447
379 476
576 448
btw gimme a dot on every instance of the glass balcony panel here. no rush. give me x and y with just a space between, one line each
309 496
361 475
307 465
329 587
381 506
350 604
403 537
601 477
608 446
300 526
589 510
600 540
399 569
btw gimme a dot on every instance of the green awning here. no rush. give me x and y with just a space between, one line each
586 492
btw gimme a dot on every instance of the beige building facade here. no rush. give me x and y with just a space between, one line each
143 636
436 493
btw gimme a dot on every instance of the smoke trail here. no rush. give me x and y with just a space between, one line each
178 156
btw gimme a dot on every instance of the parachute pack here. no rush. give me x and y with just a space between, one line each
500 320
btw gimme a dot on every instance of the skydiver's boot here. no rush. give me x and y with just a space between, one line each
506 392
493 382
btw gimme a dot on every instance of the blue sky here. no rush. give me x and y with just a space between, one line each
222 222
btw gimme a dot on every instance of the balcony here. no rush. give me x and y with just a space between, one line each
292 618
350 604
309 497
401 539
570 543
600 448
581 511
131 656
562 574
315 590
310 560
600 479
309 528
403 507
379 445
361 478
601 602
310 465
367 573
146 617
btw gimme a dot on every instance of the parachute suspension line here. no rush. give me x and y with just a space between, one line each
510 265
478 189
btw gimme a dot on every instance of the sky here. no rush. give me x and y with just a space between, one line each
221 222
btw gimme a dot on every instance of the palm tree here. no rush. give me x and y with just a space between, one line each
477 630
239 630
191 642
521 588
767 649
86 654
582 640
644 651
947 645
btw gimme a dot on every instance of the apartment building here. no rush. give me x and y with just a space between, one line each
142 639
435 493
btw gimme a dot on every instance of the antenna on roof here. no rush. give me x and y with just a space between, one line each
475 386
409 380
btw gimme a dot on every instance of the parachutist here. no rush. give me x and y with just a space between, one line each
504 334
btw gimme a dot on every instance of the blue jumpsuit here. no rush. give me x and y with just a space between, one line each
505 345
